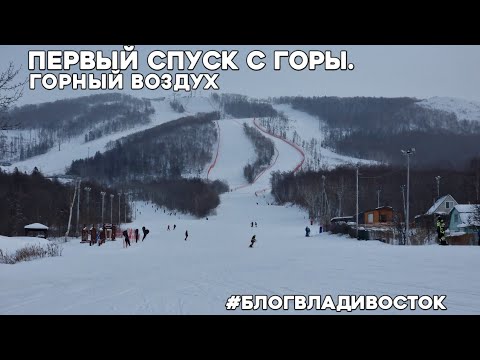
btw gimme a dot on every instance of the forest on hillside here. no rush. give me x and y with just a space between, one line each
47 125
31 198
378 128
331 193
164 152
264 151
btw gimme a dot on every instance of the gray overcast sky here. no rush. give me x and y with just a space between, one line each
389 71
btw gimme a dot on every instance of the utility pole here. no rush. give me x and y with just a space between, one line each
111 208
127 195
103 193
323 206
378 198
438 185
357 202
119 198
87 190
78 207
407 153
403 196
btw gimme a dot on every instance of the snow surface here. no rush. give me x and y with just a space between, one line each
463 109
167 275
308 127
11 244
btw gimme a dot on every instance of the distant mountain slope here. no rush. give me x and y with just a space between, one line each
378 128
463 109
163 152
44 126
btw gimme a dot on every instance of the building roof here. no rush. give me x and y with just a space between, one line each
36 226
379 208
466 212
465 208
433 209
340 218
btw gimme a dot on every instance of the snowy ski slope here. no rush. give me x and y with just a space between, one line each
308 127
167 275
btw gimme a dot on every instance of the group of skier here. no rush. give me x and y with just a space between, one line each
136 232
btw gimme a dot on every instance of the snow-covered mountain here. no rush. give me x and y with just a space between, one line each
464 109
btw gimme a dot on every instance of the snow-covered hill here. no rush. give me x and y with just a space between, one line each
308 127
55 161
166 274
463 109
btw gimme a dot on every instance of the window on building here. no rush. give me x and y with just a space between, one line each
448 204
383 218
456 217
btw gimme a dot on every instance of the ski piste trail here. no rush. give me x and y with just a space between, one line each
167 275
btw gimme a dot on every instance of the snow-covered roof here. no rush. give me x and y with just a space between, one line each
36 226
341 218
465 208
466 220
466 213
433 209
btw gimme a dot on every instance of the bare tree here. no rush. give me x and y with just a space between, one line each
10 91
474 218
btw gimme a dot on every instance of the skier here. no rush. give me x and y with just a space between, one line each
186 235
168 228
307 231
84 233
136 236
251 224
174 226
253 241
255 224
145 232
102 235
93 235
127 240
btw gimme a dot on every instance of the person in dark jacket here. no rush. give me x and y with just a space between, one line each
441 231
253 240
136 235
186 235
174 226
307 231
145 232
93 235
127 239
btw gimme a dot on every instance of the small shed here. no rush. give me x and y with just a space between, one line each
380 215
463 220
36 230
